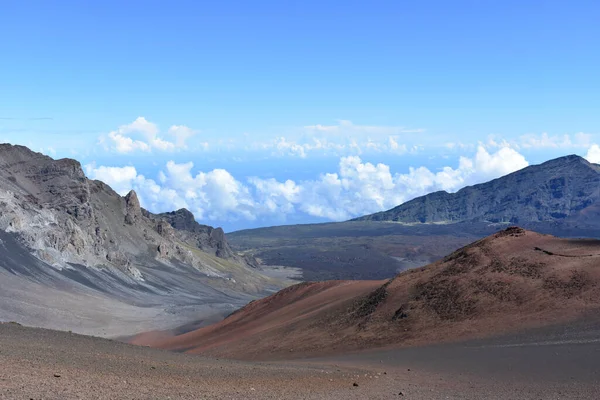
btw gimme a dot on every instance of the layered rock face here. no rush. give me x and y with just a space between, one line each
563 190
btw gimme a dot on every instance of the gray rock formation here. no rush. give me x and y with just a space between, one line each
206 238
66 218
87 237
564 190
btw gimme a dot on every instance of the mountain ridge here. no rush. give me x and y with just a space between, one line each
554 191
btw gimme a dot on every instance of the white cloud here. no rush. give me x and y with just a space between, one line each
124 144
504 161
283 146
276 197
395 146
339 140
141 125
357 188
163 145
143 135
556 141
342 139
119 178
593 154
544 141
181 133
470 146
347 127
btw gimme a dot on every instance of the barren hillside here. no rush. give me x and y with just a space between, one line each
507 282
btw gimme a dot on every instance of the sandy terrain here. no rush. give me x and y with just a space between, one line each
94 368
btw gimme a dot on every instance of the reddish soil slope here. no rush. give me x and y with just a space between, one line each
512 280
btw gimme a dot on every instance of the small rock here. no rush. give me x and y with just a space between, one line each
153 367
401 394
252 389
57 375
355 384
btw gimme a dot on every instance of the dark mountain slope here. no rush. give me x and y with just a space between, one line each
565 189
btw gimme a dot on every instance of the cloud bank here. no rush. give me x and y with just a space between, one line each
355 189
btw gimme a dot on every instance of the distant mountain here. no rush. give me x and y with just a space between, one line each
67 235
564 190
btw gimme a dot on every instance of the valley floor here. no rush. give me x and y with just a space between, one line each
548 364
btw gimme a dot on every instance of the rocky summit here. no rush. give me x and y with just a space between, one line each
62 233
563 190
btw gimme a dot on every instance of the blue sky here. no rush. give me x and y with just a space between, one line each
274 92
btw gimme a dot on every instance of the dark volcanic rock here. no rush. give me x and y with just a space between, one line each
565 189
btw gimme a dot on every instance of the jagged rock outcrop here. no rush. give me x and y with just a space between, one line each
563 190
206 238
133 210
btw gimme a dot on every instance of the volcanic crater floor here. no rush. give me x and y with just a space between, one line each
554 363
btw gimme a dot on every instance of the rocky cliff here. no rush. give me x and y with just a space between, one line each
206 238
66 218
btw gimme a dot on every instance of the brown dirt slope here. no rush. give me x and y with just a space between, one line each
509 281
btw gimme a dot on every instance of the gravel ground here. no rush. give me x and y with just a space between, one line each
43 364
